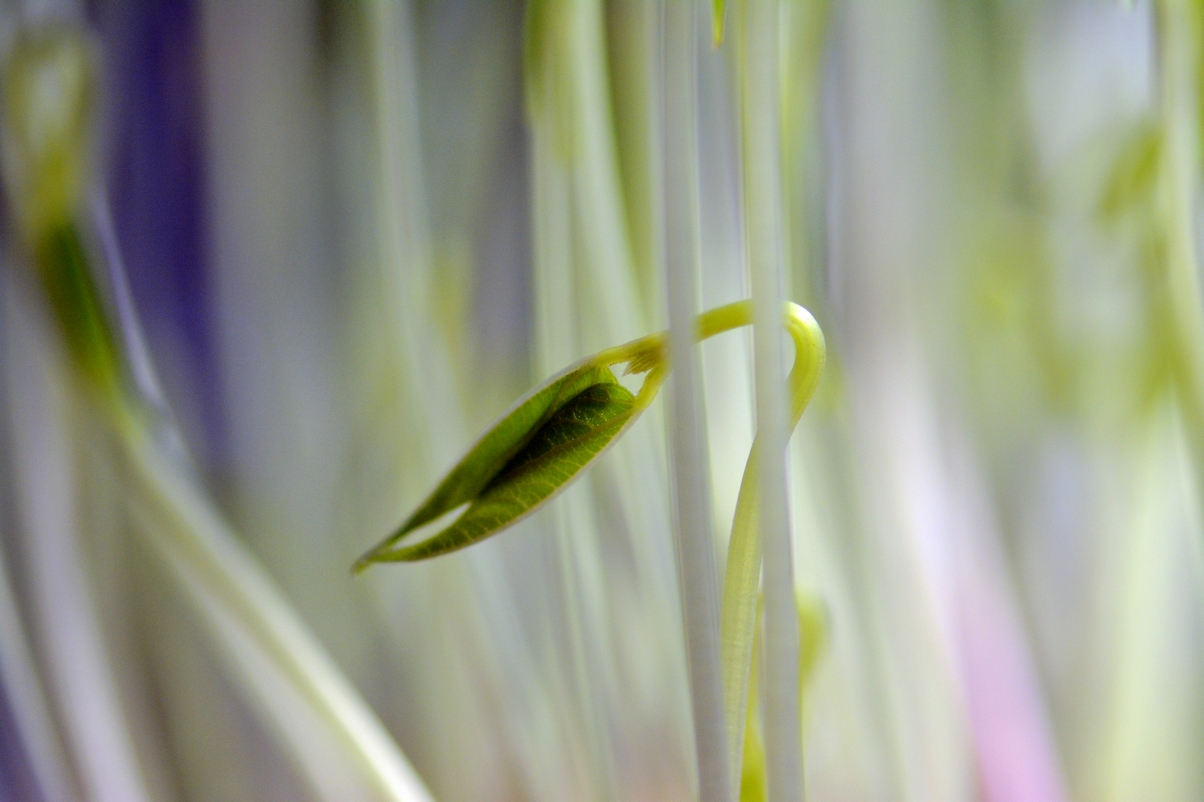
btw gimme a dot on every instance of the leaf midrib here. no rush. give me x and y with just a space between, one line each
503 478
423 516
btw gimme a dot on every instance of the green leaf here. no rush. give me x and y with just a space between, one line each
499 443
520 463
717 12
1133 175
63 264
48 91
813 636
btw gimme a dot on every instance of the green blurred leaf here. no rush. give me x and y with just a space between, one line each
534 451
501 442
717 13
813 636
535 36
63 265
1131 183
48 96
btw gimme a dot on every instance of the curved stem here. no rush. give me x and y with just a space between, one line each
743 571
653 346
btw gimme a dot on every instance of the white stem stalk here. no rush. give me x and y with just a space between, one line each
687 433
25 695
763 237
187 531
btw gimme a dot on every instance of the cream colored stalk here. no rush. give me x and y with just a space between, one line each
222 578
24 693
588 294
762 190
81 682
742 577
687 430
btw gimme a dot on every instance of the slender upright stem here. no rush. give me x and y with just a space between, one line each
24 691
692 496
763 238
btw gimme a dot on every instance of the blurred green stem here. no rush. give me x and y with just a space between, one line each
1179 38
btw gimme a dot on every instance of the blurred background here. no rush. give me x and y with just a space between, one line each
353 234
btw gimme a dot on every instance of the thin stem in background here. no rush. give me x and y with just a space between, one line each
83 690
586 295
1179 35
24 692
687 432
761 158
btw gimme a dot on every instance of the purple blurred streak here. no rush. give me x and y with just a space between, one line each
17 782
1016 750
155 159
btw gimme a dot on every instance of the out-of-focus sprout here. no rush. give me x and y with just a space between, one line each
49 97
48 81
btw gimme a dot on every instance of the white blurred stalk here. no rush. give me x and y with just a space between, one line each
222 577
23 689
25 696
587 297
556 94
68 414
762 190
687 427
1147 742
82 684
504 706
